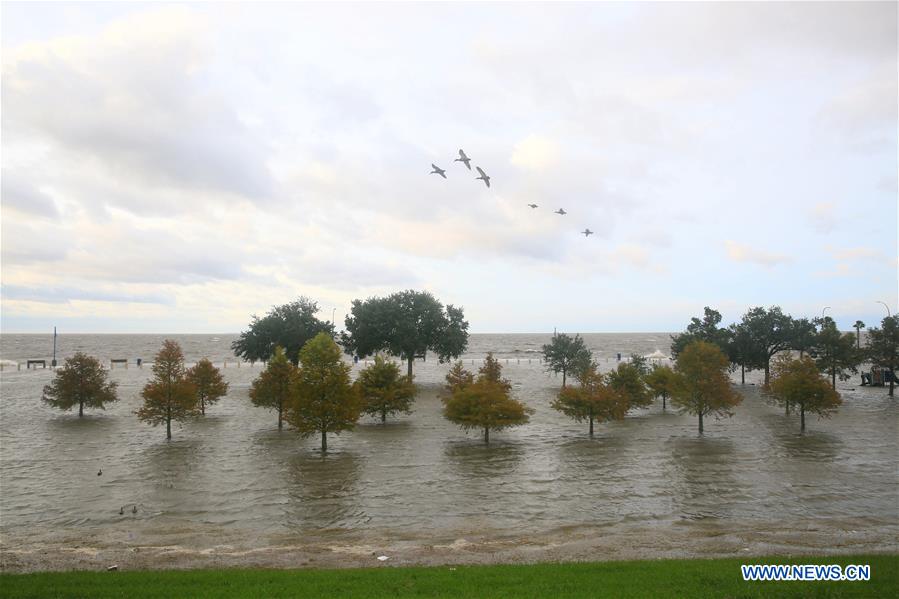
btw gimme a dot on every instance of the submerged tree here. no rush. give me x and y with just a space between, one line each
457 378
592 400
740 350
834 352
289 326
486 403
80 382
703 386
566 354
209 383
384 391
406 324
802 335
661 381
704 329
770 331
273 388
627 381
169 395
325 401
798 383
883 346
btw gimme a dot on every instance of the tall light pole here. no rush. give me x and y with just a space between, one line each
885 306
826 308
333 310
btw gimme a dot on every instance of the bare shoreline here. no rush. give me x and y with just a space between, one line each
687 539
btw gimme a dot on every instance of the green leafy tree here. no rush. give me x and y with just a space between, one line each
80 382
770 331
858 326
627 381
798 383
407 324
325 401
209 383
834 352
802 335
883 346
486 403
457 378
384 391
703 385
592 400
704 329
740 350
661 381
273 388
169 395
640 363
289 326
566 354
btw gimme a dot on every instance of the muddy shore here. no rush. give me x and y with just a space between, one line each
688 539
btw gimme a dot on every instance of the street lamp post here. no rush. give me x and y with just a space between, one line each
885 306
826 308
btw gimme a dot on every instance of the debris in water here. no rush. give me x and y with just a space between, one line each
112 568
383 558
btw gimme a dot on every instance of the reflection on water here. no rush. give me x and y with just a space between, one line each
322 491
705 484
233 474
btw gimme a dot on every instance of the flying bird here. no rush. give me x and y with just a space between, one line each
437 171
561 211
483 176
463 159
533 205
586 232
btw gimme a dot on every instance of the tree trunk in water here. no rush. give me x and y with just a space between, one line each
802 418
202 407
742 374
767 372
324 441
664 398
786 403
383 416
279 417
700 423
833 377
858 338
591 425
80 409
168 423
892 378
564 372
486 434
409 372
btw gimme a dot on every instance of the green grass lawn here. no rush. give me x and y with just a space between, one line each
661 578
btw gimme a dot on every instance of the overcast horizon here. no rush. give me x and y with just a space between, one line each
176 168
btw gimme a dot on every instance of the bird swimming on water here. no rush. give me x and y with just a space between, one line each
586 232
100 472
437 171
561 211
532 205
463 159
483 176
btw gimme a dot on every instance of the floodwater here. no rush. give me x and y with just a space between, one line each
231 481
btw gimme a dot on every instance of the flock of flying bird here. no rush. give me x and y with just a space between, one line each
486 179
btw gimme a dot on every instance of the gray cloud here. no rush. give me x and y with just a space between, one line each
21 195
53 295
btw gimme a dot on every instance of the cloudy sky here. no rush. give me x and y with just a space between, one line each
178 167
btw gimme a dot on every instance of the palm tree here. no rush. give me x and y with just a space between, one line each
859 325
